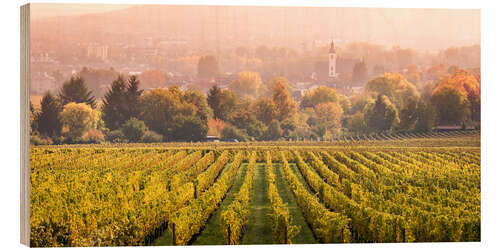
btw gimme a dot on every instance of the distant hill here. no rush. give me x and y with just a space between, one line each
406 27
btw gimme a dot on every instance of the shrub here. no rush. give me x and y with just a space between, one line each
230 133
134 129
115 136
93 136
37 140
151 136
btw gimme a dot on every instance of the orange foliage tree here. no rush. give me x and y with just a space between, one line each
467 90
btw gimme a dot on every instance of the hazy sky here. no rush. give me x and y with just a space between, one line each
50 10
415 27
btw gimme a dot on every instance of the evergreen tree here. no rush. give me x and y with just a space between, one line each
76 91
115 108
48 120
133 94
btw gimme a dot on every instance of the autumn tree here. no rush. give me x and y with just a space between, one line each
175 114
188 128
394 87
356 123
233 133
75 90
222 102
417 115
380 115
77 119
326 119
451 106
134 129
273 131
426 117
208 67
319 95
264 110
248 84
285 106
457 99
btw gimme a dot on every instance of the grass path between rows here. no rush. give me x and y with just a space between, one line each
305 235
212 233
259 227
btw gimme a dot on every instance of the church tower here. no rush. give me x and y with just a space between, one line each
332 62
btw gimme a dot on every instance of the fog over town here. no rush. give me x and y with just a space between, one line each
163 43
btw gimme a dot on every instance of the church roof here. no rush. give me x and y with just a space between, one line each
332 48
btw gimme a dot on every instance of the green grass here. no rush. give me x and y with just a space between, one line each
305 235
259 227
212 233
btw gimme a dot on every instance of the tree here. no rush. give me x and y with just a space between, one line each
222 102
188 128
159 106
232 133
394 87
264 110
48 121
358 102
380 115
134 129
345 103
77 119
175 114
208 67
359 73
321 94
451 105
248 84
425 117
133 95
33 114
273 131
256 129
95 79
408 115
463 102
328 116
76 91
288 126
356 123
115 105
121 102
285 106
203 111
417 116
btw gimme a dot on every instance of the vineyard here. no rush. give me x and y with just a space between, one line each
412 189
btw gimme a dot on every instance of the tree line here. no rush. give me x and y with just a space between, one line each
250 110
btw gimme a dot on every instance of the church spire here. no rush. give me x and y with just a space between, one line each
332 48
